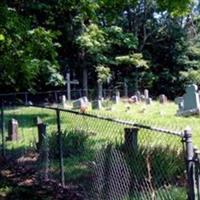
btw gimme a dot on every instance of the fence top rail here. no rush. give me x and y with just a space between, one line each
48 92
118 121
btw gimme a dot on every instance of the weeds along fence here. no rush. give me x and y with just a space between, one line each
108 159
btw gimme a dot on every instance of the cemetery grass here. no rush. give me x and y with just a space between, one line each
77 166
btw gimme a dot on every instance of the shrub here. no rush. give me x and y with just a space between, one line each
74 142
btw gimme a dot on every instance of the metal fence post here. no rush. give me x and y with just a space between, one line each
189 163
2 130
197 172
60 146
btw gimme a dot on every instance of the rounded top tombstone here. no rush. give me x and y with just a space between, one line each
192 88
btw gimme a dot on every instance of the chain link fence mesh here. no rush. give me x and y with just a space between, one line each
107 159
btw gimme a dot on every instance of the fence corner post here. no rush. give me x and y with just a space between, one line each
189 163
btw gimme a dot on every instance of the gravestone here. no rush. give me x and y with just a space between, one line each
146 94
81 102
142 98
134 99
180 102
13 134
96 104
116 98
78 103
138 94
162 99
148 101
85 100
63 101
191 102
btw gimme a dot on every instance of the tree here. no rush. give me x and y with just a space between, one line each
26 55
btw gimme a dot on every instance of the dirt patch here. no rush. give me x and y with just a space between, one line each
19 181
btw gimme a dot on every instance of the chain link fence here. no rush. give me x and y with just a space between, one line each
106 158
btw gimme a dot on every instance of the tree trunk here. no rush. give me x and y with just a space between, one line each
85 81
100 90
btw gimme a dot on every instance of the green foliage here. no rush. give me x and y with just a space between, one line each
74 143
192 76
93 39
133 59
26 55
176 7
103 73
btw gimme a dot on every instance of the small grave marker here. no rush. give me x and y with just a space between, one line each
162 99
148 101
96 104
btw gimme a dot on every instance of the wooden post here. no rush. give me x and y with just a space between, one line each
131 138
41 132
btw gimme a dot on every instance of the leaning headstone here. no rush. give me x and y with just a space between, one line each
162 99
13 134
191 102
96 104
77 104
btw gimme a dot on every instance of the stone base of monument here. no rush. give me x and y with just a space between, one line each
188 112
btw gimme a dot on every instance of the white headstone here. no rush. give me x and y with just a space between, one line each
63 101
146 94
